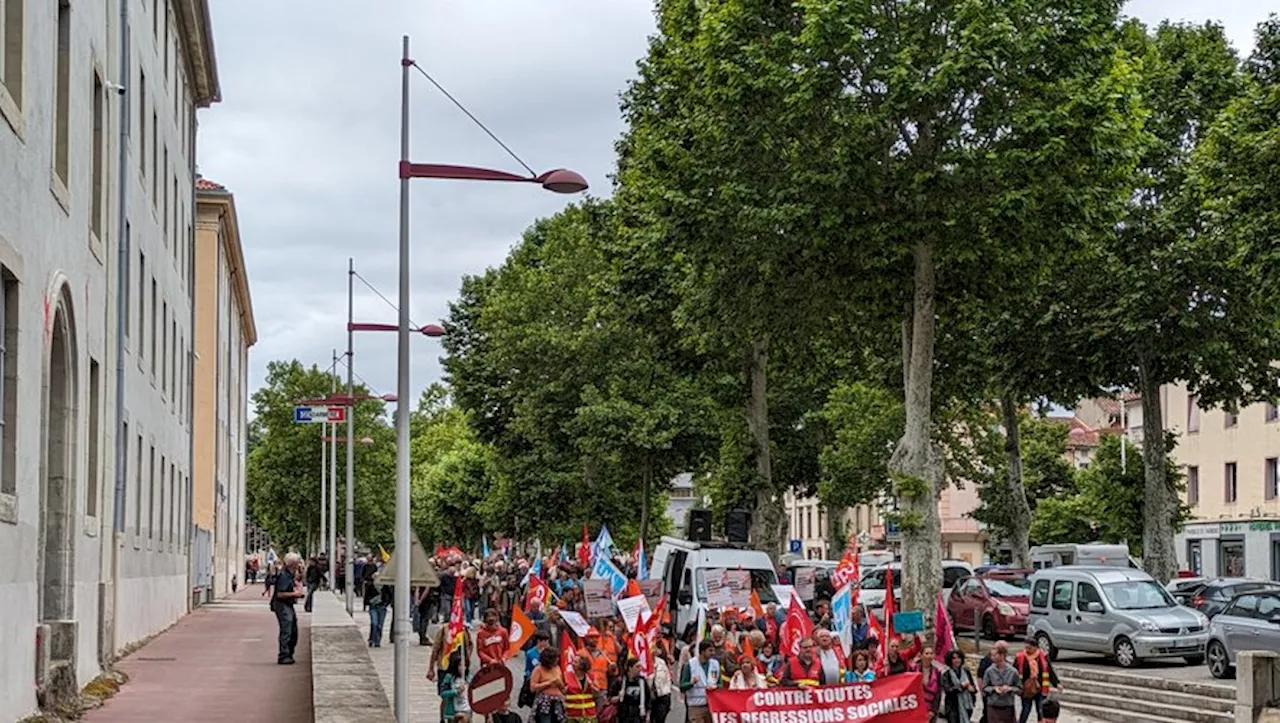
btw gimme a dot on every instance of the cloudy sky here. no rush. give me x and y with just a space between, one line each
307 137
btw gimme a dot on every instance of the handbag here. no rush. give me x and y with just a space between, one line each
525 699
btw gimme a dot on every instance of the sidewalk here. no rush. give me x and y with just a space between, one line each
216 664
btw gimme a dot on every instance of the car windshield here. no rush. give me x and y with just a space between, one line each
1008 588
1137 595
874 580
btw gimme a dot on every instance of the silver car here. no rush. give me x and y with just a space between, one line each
1251 621
1114 611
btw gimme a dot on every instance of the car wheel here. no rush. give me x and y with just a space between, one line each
1194 659
989 628
1046 645
1126 656
1216 654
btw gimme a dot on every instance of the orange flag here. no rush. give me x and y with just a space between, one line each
756 607
521 630
633 589
747 648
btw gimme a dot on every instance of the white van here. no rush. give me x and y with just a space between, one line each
872 583
1094 554
680 564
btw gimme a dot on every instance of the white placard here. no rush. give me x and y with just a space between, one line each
739 584
806 580
577 623
631 609
783 593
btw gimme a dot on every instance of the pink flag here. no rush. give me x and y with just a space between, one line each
943 637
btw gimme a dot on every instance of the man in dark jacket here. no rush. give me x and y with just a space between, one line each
314 576
284 594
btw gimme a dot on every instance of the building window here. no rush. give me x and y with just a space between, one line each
1231 417
142 307
99 201
8 382
173 361
1193 486
141 148
160 507
62 94
173 502
1273 412
155 158
95 430
124 467
1193 413
154 330
1229 479
1270 477
155 18
151 494
164 220
164 347
11 48
137 500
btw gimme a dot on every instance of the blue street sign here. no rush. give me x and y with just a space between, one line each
305 415
796 546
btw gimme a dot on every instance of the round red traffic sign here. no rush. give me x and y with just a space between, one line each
490 689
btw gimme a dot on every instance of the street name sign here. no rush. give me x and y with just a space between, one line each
319 413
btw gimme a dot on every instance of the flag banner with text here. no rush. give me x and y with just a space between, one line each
896 699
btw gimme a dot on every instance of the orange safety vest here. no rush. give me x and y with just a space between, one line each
797 673
579 702
610 648
600 670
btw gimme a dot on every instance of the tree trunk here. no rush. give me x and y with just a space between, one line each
917 463
1160 506
766 522
646 474
1016 492
838 539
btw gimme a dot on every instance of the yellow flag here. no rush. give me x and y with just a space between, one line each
382 552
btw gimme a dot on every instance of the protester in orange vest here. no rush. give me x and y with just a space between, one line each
805 669
597 661
580 693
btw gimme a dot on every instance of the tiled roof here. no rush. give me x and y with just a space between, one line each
1080 435
204 184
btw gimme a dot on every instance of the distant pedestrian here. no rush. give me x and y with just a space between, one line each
313 581
285 594
1000 686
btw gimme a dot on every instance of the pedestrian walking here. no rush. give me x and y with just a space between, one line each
285 594
1000 685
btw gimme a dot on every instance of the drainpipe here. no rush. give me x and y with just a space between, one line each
122 316
191 361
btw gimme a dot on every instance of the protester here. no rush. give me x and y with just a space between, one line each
1038 677
748 676
930 679
662 685
1000 685
580 693
862 672
804 670
699 675
958 689
832 657
546 682
494 641
631 694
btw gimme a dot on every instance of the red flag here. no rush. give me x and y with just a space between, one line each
888 613
639 645
567 654
538 592
797 627
943 637
457 626
584 551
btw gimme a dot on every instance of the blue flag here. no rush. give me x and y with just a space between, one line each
603 547
642 565
484 550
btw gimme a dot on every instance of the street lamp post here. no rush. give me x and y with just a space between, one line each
333 481
351 454
559 181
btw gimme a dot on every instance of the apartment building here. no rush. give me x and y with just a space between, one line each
809 527
96 218
1229 457
224 332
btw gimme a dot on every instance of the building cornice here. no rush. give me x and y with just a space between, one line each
196 28
223 203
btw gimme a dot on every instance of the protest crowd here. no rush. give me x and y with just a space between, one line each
598 645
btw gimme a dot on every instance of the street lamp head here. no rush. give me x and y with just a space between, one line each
366 441
434 330
389 397
562 180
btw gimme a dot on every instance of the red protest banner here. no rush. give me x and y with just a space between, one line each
896 699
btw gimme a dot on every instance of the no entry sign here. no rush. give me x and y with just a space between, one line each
490 689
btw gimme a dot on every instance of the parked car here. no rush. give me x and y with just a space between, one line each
995 604
822 587
872 583
1214 595
1116 611
1250 621
1184 588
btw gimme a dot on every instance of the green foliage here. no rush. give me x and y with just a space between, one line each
1047 475
866 422
1108 503
284 464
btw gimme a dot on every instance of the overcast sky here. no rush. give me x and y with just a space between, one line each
307 137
